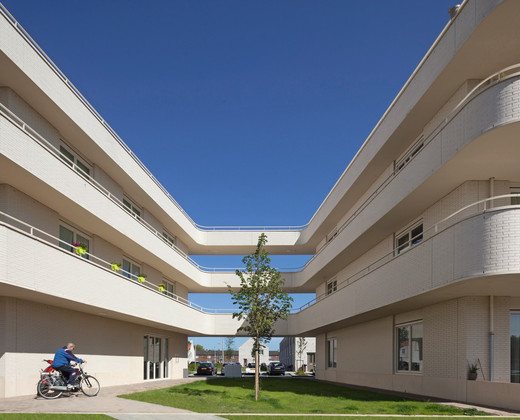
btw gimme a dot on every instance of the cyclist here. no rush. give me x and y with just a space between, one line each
62 360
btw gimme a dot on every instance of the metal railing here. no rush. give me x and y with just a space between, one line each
68 248
19 28
497 77
419 147
424 237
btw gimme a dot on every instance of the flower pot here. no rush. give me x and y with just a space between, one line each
472 376
161 288
141 279
115 266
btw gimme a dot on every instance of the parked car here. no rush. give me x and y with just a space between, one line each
250 369
206 368
276 368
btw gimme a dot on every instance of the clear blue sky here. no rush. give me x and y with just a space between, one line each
246 111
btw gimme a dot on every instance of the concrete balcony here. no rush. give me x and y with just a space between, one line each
35 270
476 256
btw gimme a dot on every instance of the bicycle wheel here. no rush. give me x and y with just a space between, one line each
45 391
89 386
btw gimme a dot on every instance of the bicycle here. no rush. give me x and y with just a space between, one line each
53 384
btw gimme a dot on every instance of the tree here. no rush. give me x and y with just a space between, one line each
230 342
302 345
260 299
199 347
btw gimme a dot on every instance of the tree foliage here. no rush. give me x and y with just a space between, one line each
230 343
260 299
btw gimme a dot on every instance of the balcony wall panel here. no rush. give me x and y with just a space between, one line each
54 275
475 248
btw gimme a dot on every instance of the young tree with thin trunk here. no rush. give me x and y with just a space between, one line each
260 299
230 343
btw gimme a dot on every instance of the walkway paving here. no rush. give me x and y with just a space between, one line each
122 409
106 403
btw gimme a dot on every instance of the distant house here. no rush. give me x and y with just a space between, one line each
289 353
245 356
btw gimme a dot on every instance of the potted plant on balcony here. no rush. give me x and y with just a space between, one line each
162 287
141 278
115 266
81 248
473 372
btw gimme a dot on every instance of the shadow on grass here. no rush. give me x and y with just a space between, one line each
302 386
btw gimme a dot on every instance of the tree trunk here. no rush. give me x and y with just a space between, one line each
257 375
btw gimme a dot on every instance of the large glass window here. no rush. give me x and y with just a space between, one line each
409 347
332 347
515 347
69 236
155 357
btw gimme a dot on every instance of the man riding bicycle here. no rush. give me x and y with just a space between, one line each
62 360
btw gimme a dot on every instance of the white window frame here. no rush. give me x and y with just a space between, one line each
132 208
410 365
133 265
155 366
77 236
170 287
332 286
404 240
332 352
74 159
168 238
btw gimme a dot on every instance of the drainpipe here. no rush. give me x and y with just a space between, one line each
491 191
491 338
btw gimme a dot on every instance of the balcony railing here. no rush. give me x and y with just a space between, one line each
25 35
50 240
466 212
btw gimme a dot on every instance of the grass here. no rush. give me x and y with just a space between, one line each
240 417
37 416
291 396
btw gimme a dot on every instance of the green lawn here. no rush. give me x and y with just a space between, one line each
37 416
294 395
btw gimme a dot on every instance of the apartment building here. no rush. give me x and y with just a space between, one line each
416 263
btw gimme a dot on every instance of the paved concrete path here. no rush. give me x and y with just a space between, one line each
122 409
106 403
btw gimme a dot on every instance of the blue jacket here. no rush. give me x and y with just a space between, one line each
63 357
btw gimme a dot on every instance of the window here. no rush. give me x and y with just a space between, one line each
155 357
332 234
130 269
515 347
332 286
68 236
408 156
515 201
170 239
331 352
409 339
73 160
409 238
131 208
169 288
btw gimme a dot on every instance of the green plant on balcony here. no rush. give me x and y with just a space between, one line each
473 371
115 266
141 278
81 248
162 287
